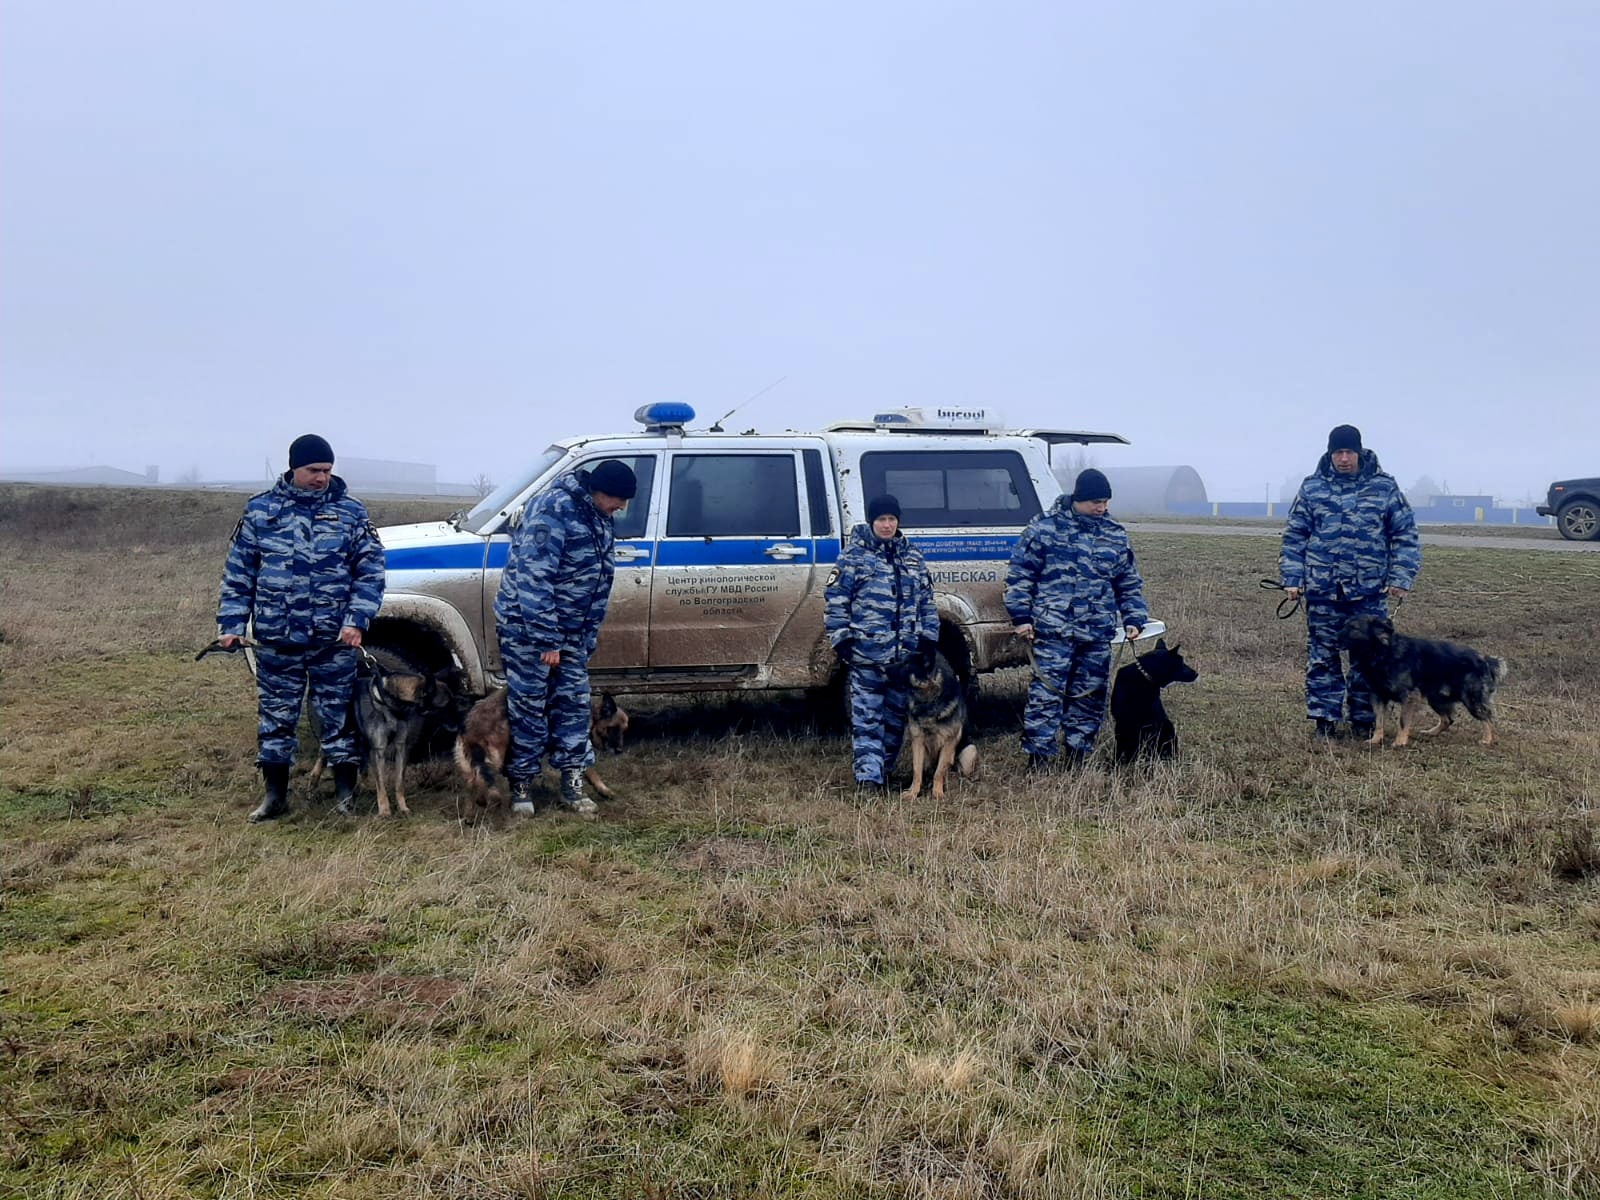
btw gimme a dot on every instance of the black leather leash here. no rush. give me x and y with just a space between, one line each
1289 605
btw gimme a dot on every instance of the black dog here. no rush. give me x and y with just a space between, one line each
1396 667
1143 728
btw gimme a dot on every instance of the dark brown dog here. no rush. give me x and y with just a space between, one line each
608 724
483 744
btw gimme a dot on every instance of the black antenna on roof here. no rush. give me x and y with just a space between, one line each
716 426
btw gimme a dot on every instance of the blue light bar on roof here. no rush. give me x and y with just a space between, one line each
664 415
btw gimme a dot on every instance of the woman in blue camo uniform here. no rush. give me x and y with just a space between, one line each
552 598
1071 583
1350 542
305 574
881 620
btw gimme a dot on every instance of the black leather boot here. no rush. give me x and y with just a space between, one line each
276 802
344 788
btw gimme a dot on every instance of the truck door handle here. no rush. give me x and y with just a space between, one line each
631 554
784 550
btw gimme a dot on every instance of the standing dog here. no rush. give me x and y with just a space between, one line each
1396 667
608 723
484 742
392 709
936 724
1143 728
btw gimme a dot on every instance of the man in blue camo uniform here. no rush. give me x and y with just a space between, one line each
1071 583
548 610
1349 543
305 575
881 620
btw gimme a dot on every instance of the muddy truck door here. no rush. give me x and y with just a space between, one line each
733 558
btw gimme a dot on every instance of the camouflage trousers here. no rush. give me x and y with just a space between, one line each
548 708
877 721
1328 685
282 681
1078 672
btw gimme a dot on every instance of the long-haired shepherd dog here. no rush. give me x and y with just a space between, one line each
1143 729
936 725
1396 667
483 744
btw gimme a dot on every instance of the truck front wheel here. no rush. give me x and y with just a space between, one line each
1579 520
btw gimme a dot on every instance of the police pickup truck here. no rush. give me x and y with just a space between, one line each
723 555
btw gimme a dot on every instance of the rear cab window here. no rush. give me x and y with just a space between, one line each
953 489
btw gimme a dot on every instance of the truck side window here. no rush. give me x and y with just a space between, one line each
817 494
733 495
943 488
632 521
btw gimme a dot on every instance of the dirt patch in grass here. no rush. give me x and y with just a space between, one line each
728 854
395 997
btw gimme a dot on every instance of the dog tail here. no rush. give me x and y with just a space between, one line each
1499 668
967 760
598 784
473 765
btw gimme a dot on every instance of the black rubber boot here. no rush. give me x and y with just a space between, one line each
344 789
1360 731
1328 731
1041 764
276 778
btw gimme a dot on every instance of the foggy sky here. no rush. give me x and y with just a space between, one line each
452 233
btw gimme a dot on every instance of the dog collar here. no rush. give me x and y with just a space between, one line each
1139 666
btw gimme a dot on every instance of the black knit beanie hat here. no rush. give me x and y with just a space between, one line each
308 448
614 479
1091 485
1344 437
882 506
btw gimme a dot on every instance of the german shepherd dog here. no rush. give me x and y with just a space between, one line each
936 725
1396 667
608 723
1143 729
485 740
393 707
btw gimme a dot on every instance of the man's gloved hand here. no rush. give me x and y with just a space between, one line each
845 651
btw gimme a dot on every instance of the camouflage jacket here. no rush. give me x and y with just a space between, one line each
301 565
557 581
1073 576
1350 536
883 605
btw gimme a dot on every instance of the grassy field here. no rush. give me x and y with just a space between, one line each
1272 970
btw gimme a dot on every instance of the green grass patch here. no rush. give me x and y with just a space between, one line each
1304 1100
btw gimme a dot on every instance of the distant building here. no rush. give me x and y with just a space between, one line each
81 476
1146 491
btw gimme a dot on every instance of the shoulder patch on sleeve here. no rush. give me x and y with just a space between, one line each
238 526
833 576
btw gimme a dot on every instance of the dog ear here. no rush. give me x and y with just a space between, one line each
1161 643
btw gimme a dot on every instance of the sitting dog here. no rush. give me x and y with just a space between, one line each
483 744
608 723
1396 667
1142 726
393 707
936 725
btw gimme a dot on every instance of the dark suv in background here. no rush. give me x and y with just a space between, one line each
1575 504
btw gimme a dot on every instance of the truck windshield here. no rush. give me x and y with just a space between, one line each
492 505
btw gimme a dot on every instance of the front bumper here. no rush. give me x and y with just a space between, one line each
1544 510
